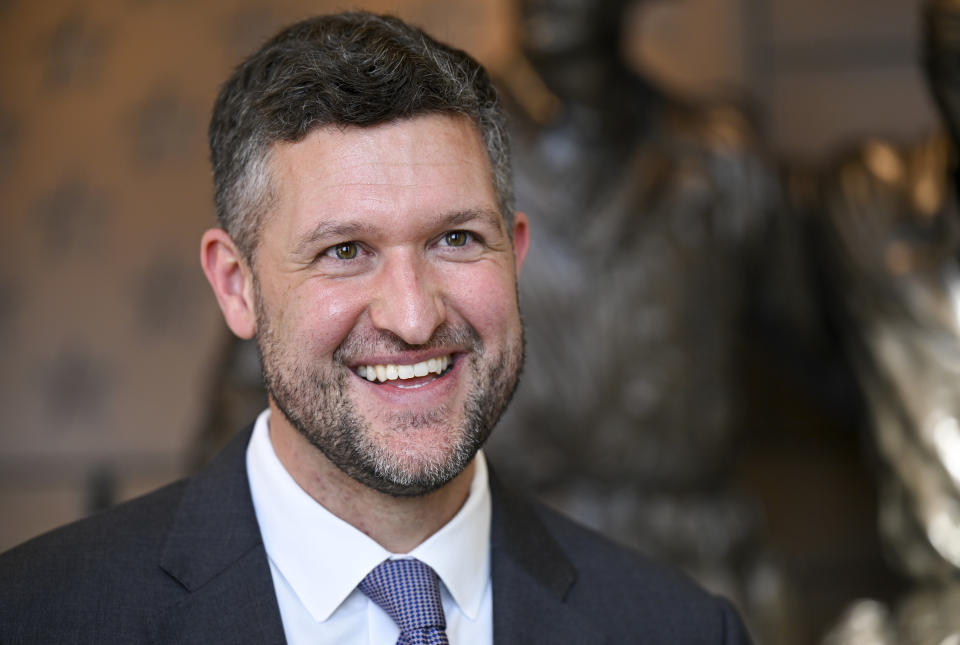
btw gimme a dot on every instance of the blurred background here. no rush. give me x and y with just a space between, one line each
113 351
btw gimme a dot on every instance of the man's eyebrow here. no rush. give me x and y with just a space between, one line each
457 218
326 231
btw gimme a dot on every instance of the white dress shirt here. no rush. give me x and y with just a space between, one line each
317 560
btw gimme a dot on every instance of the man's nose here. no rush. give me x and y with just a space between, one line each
408 302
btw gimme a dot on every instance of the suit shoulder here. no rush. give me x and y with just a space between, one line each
632 591
95 564
590 550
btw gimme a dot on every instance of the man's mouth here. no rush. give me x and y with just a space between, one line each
393 372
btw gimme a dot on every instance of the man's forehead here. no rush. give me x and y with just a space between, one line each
334 151
433 162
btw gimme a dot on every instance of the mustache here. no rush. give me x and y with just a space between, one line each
381 341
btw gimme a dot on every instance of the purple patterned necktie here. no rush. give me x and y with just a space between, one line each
409 591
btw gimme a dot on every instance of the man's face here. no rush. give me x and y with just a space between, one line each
386 257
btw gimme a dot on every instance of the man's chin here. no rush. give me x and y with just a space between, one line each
410 491
409 481
413 454
407 455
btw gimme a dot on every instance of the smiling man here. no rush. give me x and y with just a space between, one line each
368 242
383 298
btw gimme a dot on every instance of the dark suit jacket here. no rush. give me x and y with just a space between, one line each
186 564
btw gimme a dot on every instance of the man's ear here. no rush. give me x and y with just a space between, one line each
521 238
232 281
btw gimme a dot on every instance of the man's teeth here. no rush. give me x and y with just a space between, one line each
393 372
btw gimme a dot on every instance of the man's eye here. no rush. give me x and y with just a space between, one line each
344 250
456 238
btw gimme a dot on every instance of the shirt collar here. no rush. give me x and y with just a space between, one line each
324 558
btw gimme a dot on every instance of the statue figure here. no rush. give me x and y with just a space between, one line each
646 212
891 241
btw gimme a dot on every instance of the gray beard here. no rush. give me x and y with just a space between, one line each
317 404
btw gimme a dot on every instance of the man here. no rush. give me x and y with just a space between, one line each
368 242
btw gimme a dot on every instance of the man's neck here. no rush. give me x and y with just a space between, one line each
398 524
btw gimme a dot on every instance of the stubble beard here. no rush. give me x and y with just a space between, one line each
315 400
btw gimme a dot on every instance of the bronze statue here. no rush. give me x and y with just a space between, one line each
892 243
647 211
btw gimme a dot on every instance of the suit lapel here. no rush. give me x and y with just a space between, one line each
531 579
214 550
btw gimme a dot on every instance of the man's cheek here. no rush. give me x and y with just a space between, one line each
490 306
331 317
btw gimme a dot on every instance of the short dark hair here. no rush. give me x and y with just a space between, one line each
352 68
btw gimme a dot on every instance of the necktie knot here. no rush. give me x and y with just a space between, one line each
409 591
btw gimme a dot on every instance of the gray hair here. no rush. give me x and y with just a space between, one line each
352 68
